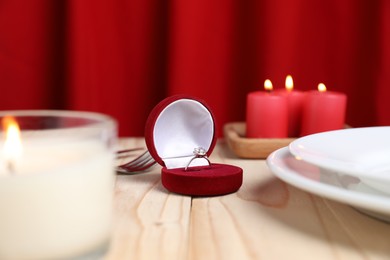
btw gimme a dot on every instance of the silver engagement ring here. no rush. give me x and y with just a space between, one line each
199 153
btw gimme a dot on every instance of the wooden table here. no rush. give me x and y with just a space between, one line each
265 219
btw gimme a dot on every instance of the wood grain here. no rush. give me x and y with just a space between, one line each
149 222
265 219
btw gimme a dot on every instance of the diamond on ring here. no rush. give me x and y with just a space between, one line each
199 153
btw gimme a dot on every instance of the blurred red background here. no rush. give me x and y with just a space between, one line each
121 57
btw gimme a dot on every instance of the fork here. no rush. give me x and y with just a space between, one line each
139 164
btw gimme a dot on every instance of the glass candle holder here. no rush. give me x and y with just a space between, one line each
56 184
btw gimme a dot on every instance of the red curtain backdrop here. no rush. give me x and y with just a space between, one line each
121 57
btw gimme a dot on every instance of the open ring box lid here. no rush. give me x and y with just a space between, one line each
176 126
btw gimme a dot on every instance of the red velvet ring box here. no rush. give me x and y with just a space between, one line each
175 127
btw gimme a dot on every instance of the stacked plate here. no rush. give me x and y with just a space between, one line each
351 166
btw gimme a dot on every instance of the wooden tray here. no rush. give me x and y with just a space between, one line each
251 148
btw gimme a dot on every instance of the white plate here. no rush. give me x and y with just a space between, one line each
332 185
362 152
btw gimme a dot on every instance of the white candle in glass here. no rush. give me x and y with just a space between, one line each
56 197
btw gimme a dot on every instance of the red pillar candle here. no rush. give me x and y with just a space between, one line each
323 111
295 99
266 114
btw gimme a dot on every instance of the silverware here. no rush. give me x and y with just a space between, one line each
141 163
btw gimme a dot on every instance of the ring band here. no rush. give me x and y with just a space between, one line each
199 153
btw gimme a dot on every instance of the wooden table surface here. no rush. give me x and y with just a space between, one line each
265 219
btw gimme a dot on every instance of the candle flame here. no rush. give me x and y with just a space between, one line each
321 87
12 149
289 83
268 85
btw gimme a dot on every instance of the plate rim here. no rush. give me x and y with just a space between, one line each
332 163
372 202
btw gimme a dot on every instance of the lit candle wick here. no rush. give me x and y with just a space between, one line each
12 149
268 86
289 83
321 87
